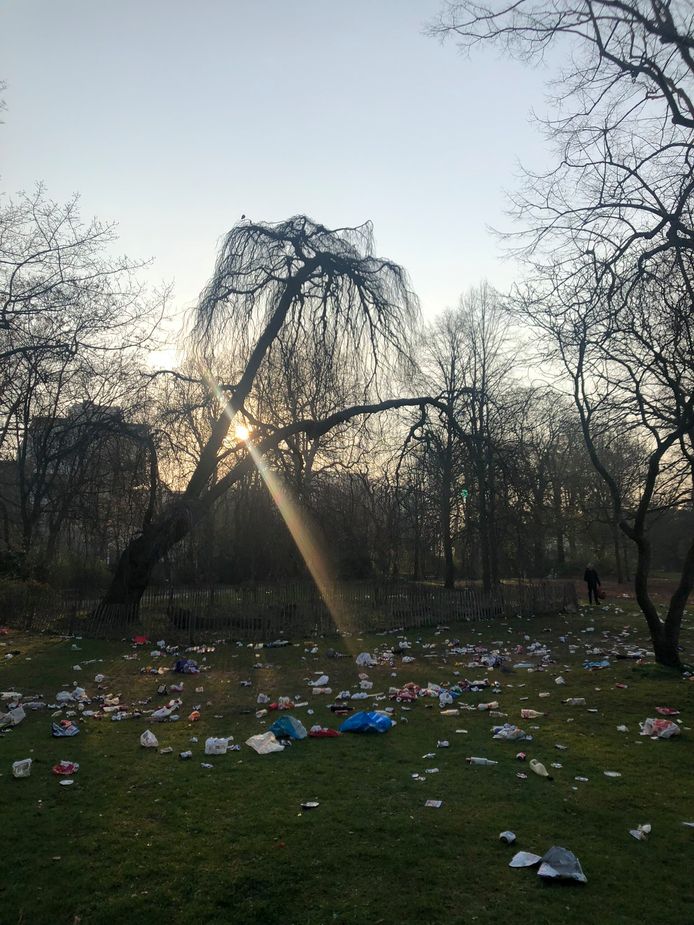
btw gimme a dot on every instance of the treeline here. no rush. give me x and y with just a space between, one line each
493 482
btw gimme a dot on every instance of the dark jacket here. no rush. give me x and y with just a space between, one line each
592 578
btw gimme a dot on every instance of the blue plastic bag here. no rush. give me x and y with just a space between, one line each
288 726
367 721
186 666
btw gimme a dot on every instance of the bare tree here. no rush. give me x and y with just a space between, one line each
608 235
272 279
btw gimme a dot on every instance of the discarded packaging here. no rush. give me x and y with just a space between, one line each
22 768
524 859
660 728
264 744
288 727
65 768
215 746
371 721
507 838
149 740
561 864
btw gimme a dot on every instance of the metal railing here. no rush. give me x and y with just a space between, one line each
268 611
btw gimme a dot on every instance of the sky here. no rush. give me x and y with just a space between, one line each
173 118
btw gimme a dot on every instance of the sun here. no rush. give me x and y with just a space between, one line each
242 432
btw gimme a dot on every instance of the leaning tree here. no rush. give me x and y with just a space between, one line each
275 283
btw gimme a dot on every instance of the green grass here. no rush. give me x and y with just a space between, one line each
143 837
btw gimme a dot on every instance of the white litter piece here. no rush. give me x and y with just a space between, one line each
216 746
561 864
265 743
21 768
524 859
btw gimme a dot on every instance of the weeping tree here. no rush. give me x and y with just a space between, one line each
274 283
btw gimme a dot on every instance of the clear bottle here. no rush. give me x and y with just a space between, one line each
485 762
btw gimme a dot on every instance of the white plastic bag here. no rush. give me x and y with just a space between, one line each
662 728
215 746
149 740
265 743
22 768
17 715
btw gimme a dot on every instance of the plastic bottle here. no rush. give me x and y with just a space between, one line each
484 762
493 705
531 714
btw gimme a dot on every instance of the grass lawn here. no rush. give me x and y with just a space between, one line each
145 837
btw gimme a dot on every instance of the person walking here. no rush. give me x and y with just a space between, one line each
592 579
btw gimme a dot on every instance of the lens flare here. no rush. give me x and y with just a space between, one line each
292 516
302 535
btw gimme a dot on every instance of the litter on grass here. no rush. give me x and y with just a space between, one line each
561 864
659 728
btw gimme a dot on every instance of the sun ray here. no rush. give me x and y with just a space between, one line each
297 525
303 536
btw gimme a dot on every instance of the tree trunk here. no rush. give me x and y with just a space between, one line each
666 651
559 525
448 565
617 555
139 558
664 636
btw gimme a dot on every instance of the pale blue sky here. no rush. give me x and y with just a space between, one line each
173 118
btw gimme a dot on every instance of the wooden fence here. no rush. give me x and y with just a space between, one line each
266 612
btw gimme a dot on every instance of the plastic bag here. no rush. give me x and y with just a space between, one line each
367 721
16 715
288 726
662 728
561 864
510 733
323 732
64 728
186 666
215 746
65 768
365 660
22 768
149 740
265 743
